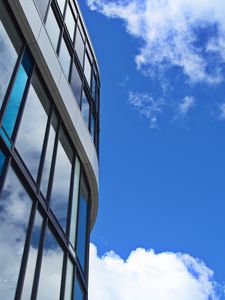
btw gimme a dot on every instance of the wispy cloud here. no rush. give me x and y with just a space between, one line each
186 104
148 275
147 106
182 33
222 111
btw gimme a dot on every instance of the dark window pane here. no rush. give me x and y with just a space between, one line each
92 126
93 87
76 83
33 125
61 4
82 223
79 46
15 206
2 161
87 69
16 96
61 181
53 28
51 269
85 108
70 21
28 281
75 203
69 281
10 46
65 58
42 7
78 292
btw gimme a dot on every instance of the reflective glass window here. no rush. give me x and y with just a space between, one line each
70 21
2 161
87 69
32 258
92 126
82 223
85 108
75 202
51 269
93 87
69 281
76 83
79 46
53 28
16 96
61 180
15 206
61 4
48 156
10 46
42 7
33 125
78 291
65 58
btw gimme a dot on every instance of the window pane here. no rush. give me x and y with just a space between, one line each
15 206
16 96
85 108
28 281
82 223
78 292
53 28
61 181
79 46
75 203
76 83
33 125
92 126
93 88
10 46
48 156
42 7
61 4
87 69
69 281
65 58
51 269
70 22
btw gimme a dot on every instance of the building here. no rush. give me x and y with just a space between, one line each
49 136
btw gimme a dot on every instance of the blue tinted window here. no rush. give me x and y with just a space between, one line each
82 223
85 108
16 96
78 292
76 83
2 161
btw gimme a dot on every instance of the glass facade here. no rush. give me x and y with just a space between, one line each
45 198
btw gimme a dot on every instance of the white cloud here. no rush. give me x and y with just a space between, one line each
147 275
171 34
222 111
187 103
146 105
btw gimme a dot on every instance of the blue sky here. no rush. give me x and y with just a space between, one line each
162 161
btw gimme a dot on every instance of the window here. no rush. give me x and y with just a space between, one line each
10 47
78 292
33 125
69 281
92 127
51 269
65 58
17 93
76 83
75 202
48 155
15 206
70 22
53 28
85 108
42 7
82 223
93 87
61 4
87 69
79 46
61 180
32 258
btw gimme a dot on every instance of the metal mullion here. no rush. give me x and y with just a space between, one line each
88 236
26 250
44 148
63 278
50 181
39 259
47 11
